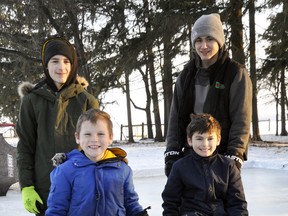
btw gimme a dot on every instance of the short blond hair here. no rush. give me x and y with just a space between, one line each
93 115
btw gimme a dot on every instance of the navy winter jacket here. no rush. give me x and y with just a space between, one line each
204 186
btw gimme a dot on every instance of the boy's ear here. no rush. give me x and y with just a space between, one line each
111 138
189 140
219 140
77 137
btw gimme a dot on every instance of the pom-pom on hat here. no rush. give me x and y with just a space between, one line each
208 25
56 46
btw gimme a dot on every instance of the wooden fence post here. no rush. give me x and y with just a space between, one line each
121 132
142 130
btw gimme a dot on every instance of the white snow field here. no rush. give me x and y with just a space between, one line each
265 179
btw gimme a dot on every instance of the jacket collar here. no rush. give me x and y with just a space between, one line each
200 158
79 159
41 88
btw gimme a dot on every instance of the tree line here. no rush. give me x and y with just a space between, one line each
115 39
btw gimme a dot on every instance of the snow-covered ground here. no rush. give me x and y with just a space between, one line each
265 177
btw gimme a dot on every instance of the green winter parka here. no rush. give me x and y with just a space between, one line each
46 126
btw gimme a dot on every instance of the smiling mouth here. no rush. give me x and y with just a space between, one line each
94 147
206 53
205 149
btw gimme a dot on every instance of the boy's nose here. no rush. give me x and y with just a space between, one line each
61 64
95 137
204 44
205 142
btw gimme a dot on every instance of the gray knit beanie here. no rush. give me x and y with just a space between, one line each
208 25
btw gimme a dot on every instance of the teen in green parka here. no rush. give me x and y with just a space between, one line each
47 119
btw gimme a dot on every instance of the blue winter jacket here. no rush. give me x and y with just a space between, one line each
81 187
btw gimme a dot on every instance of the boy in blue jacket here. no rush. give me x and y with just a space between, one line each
97 179
204 182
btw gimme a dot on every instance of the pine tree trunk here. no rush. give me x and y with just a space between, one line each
235 21
255 120
283 86
167 82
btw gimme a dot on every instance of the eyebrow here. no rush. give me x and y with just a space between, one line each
198 135
205 37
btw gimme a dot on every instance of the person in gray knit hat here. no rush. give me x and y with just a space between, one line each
208 25
211 83
47 119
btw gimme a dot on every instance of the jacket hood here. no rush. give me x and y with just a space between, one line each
26 87
59 46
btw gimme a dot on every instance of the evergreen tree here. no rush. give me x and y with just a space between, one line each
276 63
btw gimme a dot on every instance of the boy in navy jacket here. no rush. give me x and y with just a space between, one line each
204 182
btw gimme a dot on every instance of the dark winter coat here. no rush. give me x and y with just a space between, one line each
81 187
204 186
229 100
46 126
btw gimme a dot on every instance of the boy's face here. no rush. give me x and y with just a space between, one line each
59 68
207 48
94 139
204 144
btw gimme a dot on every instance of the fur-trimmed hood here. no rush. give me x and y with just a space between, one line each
26 87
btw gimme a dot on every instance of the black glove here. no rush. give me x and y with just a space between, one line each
58 159
144 212
171 155
238 160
